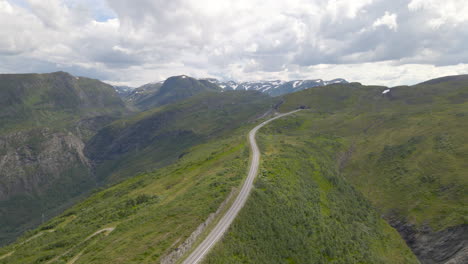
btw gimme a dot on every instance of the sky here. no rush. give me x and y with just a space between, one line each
133 42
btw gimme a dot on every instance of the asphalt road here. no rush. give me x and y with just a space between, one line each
215 235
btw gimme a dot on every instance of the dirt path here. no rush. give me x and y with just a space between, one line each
108 230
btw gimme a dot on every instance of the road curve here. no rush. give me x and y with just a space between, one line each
214 236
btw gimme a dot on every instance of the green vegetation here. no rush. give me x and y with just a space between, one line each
303 211
151 212
407 149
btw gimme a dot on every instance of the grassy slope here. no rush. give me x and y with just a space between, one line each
152 212
408 148
303 211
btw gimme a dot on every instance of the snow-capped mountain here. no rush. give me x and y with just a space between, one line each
274 88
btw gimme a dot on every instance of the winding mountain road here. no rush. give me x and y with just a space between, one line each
221 227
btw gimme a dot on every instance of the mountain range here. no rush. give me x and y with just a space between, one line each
145 96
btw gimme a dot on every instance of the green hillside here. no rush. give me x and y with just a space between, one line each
407 154
53 100
396 138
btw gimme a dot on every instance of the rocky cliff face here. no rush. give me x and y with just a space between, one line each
30 161
40 169
448 246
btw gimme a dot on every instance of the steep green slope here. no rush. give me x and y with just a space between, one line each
44 121
407 154
303 211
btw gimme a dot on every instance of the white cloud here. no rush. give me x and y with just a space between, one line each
18 32
5 7
442 12
389 20
135 42
347 8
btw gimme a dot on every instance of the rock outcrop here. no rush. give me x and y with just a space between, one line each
30 161
448 246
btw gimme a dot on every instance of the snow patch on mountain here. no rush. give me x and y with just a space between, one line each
275 87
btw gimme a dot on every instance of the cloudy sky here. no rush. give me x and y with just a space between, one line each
139 41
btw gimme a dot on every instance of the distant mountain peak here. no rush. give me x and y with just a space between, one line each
274 87
172 89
